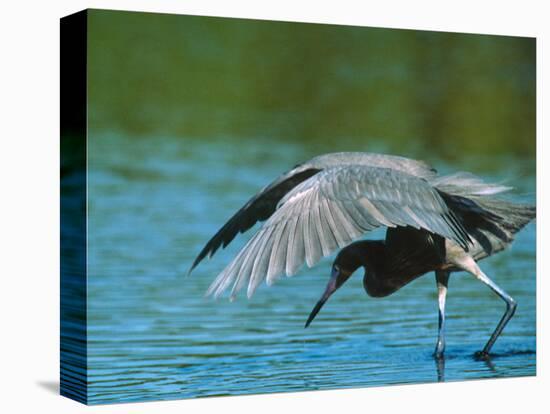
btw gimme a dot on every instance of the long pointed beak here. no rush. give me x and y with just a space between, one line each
330 289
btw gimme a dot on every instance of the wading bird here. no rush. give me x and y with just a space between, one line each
434 223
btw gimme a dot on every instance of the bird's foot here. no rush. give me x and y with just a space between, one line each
482 355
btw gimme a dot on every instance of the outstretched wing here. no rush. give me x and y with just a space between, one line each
330 210
263 205
258 208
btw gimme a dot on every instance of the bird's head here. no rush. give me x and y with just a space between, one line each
346 263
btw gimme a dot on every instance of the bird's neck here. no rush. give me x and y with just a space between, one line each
364 253
386 273
374 284
371 255
375 259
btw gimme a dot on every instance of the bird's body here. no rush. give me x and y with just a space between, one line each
434 223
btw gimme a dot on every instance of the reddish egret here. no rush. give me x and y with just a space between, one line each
434 223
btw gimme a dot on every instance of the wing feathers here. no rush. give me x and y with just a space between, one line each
262 254
327 232
278 254
330 210
258 208
374 212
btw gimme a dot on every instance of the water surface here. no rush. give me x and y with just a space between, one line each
153 203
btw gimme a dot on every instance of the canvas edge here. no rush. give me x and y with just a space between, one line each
73 211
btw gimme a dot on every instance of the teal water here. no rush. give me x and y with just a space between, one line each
153 203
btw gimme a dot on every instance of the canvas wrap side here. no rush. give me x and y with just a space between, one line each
73 116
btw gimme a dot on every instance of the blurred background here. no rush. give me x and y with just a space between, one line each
315 84
188 117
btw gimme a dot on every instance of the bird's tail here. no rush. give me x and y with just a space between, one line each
513 216
467 185
465 189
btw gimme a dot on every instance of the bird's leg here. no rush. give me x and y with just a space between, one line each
442 280
510 309
467 263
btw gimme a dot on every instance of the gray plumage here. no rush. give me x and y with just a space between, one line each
331 200
439 223
263 205
373 197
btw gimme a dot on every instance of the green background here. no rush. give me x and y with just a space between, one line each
191 76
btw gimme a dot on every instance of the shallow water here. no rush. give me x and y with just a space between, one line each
155 201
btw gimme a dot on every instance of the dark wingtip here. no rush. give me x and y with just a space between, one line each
195 263
204 252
